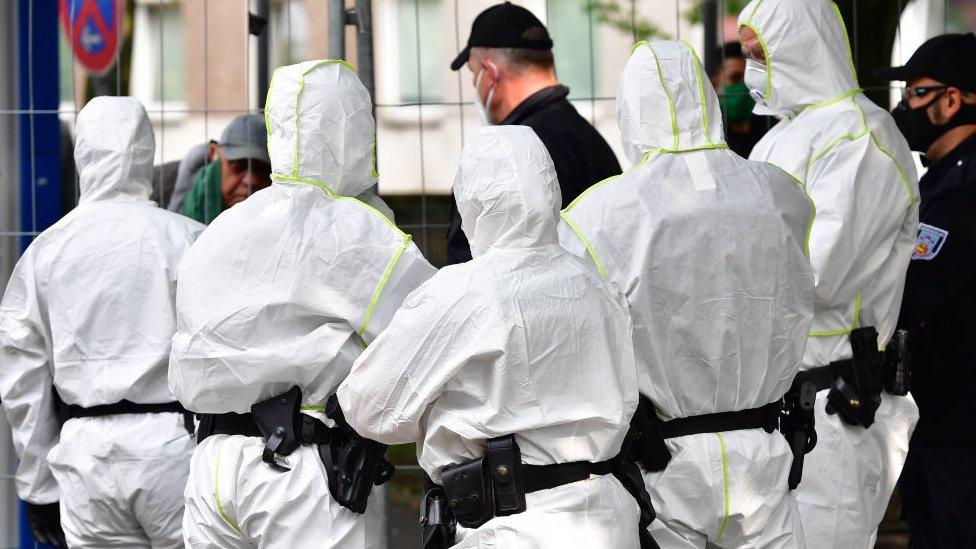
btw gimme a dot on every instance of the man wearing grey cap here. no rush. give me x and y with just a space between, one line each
238 165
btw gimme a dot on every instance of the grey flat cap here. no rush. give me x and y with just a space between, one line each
246 137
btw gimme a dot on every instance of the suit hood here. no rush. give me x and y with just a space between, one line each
320 127
808 55
506 190
665 101
114 149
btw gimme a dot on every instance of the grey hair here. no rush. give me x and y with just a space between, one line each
517 59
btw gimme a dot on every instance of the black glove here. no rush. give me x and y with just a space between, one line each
439 525
45 522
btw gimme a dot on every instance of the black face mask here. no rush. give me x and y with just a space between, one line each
919 130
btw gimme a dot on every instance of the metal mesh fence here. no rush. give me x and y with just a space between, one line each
195 66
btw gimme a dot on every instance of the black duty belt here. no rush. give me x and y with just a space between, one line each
495 484
123 407
353 464
765 417
226 424
310 431
823 377
71 411
544 477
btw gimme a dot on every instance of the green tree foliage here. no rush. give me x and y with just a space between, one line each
731 7
620 15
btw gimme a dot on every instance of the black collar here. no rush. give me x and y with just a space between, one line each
534 102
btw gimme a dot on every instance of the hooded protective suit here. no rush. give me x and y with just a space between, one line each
284 289
709 249
858 170
524 339
89 310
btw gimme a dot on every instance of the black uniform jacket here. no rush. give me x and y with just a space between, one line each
580 154
939 307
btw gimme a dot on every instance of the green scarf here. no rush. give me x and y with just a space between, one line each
203 201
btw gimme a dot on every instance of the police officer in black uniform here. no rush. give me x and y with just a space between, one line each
938 118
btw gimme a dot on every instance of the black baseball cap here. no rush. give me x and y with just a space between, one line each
950 59
504 26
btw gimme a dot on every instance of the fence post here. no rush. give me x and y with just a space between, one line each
710 31
264 52
337 29
364 47
361 17
39 133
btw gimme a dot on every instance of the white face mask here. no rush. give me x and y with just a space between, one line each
755 80
483 106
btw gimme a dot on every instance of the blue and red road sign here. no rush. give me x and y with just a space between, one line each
92 27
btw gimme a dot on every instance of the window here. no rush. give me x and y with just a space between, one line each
421 22
289 33
158 60
573 32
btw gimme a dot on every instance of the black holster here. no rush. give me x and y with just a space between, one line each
797 424
353 464
483 488
856 393
436 518
279 420
644 442
898 365
629 475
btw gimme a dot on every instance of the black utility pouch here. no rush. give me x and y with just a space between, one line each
279 419
856 393
503 460
353 464
469 492
490 486
436 518
644 440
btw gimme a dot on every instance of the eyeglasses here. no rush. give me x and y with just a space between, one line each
919 92
247 164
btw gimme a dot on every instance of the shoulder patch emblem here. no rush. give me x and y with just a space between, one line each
929 241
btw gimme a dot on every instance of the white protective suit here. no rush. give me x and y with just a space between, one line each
524 339
89 310
857 168
709 249
285 289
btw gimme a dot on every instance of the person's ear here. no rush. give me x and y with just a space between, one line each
214 153
951 104
491 70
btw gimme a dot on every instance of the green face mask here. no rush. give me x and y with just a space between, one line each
736 102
